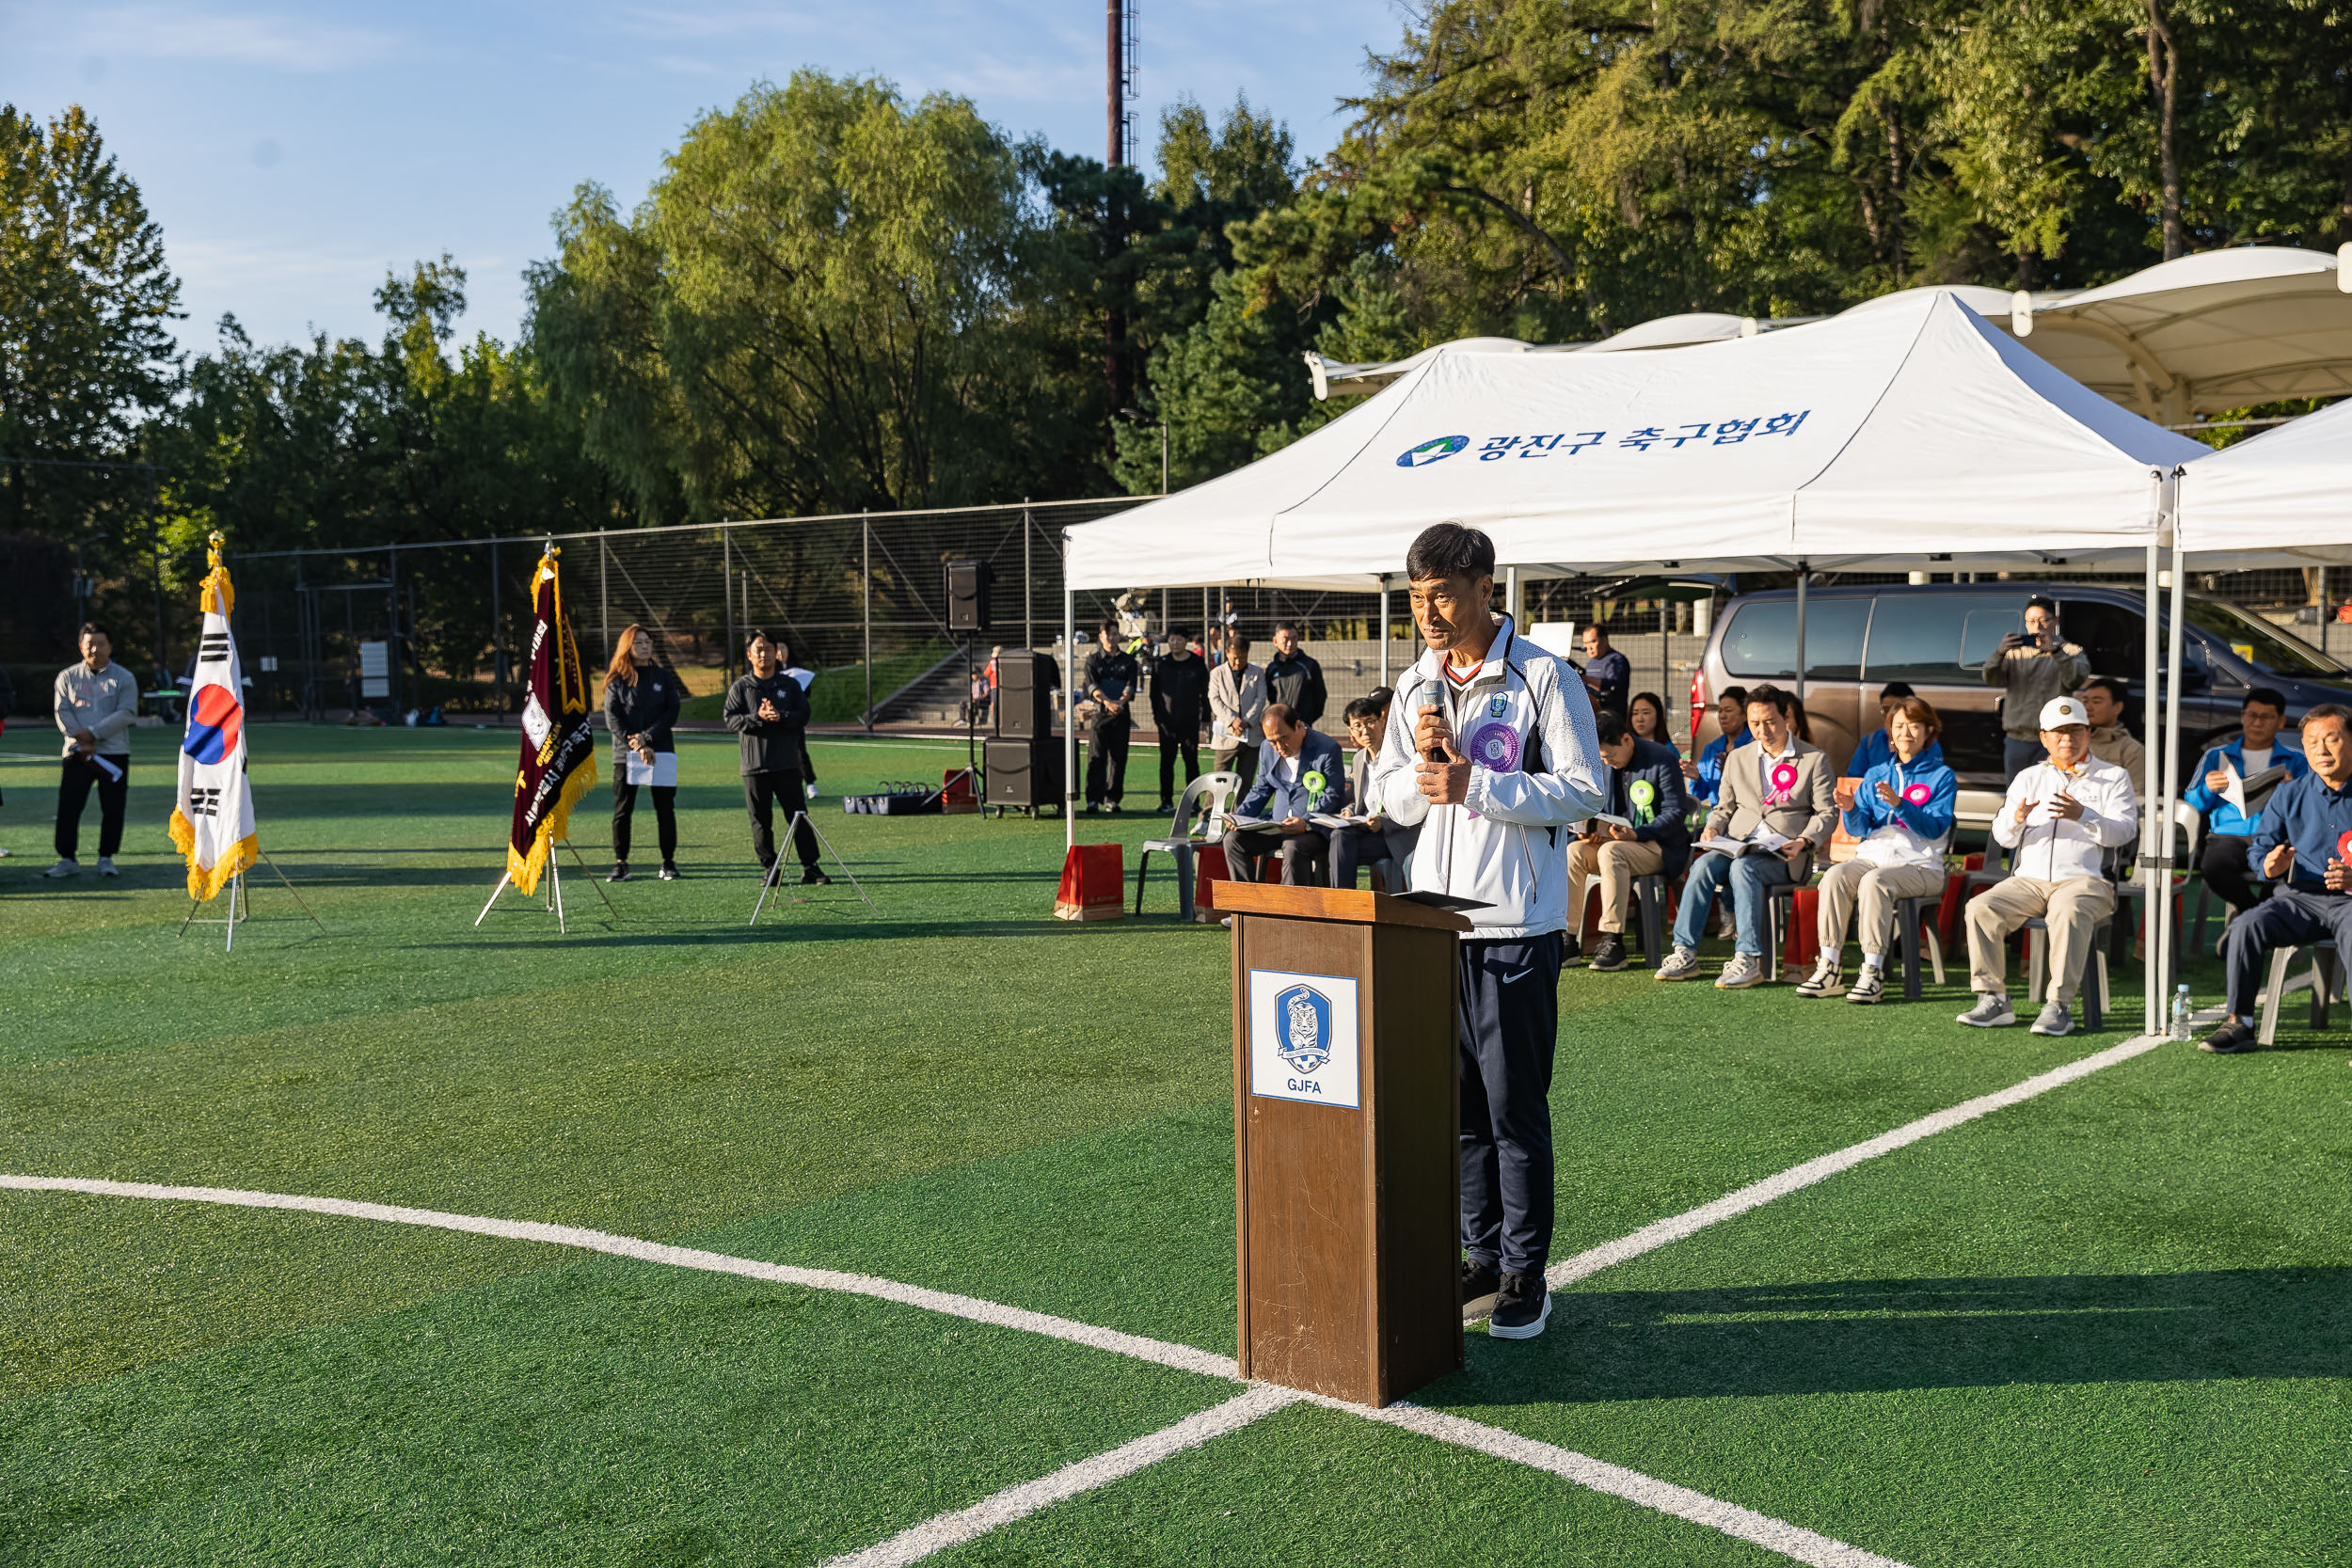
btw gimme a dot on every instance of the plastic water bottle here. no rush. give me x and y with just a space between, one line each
2180 1014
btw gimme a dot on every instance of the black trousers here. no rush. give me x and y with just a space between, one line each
764 794
1107 761
664 811
73 785
2223 861
1173 742
1509 1023
1243 761
1352 848
2290 917
1303 856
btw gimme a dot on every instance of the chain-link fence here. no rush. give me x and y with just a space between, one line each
863 600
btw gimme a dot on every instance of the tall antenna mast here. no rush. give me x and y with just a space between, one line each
1121 74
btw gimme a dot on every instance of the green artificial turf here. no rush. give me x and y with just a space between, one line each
961 1092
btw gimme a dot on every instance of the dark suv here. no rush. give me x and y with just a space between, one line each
1937 637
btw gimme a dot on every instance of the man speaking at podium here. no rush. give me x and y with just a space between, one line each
1491 747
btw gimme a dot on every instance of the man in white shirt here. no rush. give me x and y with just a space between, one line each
2060 818
95 701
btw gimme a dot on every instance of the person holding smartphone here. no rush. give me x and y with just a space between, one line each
641 703
2033 668
769 713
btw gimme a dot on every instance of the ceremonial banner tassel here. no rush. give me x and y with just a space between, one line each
212 822
559 751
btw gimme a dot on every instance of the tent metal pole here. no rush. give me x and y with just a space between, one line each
2168 779
1384 628
1804 571
1069 708
2155 843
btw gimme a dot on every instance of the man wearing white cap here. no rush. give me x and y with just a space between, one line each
2061 818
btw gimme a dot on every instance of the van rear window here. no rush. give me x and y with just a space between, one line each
1931 638
1760 641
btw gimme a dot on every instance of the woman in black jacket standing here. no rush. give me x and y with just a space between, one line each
641 703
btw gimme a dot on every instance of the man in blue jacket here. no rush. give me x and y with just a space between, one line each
1654 839
1705 776
2256 750
1300 774
2305 845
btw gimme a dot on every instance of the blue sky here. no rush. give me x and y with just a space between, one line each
294 153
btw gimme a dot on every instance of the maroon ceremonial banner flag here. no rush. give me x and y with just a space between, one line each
559 755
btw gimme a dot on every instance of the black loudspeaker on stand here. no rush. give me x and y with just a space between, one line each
1025 761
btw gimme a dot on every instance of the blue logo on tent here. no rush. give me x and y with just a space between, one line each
1430 451
1304 1016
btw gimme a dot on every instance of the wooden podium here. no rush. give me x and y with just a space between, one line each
1346 1139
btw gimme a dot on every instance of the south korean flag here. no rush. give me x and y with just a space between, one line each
212 822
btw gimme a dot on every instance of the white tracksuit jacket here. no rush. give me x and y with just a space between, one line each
1507 845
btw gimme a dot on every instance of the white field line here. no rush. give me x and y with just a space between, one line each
948 1529
1663 1497
1181 1358
967 1524
1651 1237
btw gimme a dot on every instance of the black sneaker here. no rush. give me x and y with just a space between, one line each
669 871
2230 1039
1609 956
1480 1281
620 873
1571 950
1522 1307
811 876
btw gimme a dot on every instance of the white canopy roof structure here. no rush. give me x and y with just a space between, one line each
2217 330
1897 436
2284 497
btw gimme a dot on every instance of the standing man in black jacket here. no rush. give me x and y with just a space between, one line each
1179 706
769 713
1109 681
1293 677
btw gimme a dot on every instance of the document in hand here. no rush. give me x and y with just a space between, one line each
1610 818
1346 820
2247 795
1762 841
1261 825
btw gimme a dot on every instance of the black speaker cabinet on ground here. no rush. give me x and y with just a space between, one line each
968 582
1025 683
1025 774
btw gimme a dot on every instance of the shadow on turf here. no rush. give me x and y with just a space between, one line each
1872 1336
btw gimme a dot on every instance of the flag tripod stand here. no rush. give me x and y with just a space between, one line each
554 897
241 907
775 867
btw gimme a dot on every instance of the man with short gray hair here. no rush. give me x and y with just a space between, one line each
96 700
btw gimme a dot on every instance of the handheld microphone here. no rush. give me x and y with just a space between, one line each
1432 695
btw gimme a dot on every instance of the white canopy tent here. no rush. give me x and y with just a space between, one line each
1901 435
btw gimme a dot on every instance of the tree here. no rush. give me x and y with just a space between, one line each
811 311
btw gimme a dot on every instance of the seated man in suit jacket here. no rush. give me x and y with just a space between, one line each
1380 838
1781 786
1646 789
1298 774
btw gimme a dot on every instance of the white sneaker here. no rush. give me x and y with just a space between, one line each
68 867
1991 1012
106 866
1744 970
1870 986
2055 1020
1827 979
1681 964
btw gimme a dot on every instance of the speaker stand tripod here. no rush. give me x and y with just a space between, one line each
554 897
241 907
775 867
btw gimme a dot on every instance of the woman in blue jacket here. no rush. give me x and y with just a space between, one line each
1901 810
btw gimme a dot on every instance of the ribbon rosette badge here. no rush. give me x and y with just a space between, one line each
2344 846
1919 794
1495 746
1784 778
1643 795
1314 780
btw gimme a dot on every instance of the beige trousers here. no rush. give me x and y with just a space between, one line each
1875 889
1616 862
2071 908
